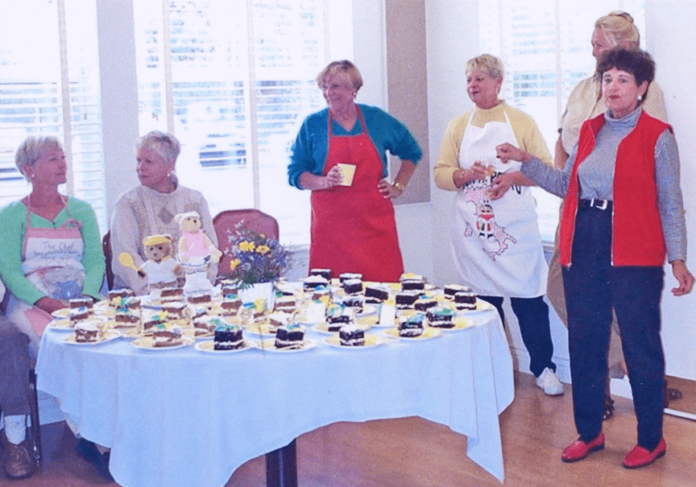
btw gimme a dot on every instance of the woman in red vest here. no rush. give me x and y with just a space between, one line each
340 155
623 215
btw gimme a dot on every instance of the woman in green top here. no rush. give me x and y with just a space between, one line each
51 243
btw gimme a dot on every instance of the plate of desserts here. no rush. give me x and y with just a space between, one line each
209 346
61 313
91 336
425 333
270 345
149 343
354 341
332 328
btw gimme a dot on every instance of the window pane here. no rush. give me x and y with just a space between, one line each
31 95
225 126
545 46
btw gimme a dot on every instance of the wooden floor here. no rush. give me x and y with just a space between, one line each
413 452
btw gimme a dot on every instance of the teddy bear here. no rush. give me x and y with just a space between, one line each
196 252
161 268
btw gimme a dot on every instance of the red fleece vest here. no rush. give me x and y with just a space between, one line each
637 238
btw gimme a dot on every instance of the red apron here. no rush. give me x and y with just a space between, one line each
353 227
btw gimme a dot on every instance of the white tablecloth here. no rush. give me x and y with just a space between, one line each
184 417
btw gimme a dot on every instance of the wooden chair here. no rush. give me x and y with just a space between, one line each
106 248
253 219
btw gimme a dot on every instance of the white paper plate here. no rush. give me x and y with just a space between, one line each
147 343
108 336
427 334
324 328
269 346
209 346
371 341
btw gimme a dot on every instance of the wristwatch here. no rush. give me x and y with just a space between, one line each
400 186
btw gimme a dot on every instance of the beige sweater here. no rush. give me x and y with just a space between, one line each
526 132
141 212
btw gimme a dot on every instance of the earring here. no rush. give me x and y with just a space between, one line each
640 97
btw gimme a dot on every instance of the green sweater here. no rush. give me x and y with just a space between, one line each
13 219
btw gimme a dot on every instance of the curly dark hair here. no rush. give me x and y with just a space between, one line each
639 63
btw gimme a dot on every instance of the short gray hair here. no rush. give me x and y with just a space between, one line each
492 65
166 145
32 149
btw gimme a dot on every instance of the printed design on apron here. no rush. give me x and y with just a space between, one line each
52 258
493 237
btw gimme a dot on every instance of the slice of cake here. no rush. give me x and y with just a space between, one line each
76 303
153 320
347 276
355 301
338 315
410 282
279 318
325 273
290 336
406 299
452 289
86 332
172 293
314 282
286 303
440 317
376 294
167 335
174 310
411 326
230 304
199 298
116 294
352 286
423 304
78 314
465 300
351 336
228 336
205 325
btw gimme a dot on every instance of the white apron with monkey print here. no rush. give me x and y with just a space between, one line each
496 243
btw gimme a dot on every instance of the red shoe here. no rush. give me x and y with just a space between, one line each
640 457
579 449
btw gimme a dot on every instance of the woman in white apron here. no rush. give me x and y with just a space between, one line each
495 237
51 243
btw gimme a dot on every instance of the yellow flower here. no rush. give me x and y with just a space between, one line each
233 264
247 246
263 249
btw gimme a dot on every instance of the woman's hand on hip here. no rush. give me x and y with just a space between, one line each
388 190
49 305
507 152
683 277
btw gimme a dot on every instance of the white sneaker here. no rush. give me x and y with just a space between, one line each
548 381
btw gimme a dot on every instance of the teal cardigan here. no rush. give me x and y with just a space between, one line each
311 145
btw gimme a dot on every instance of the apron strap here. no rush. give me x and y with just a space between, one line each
68 222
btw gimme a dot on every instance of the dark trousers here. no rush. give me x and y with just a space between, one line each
592 288
533 317
14 369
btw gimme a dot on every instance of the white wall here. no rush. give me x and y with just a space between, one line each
671 39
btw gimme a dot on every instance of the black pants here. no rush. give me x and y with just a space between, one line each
14 369
592 288
533 317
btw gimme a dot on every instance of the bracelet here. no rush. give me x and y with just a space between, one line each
399 186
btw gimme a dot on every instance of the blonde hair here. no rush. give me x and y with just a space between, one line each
345 68
618 28
492 65
32 149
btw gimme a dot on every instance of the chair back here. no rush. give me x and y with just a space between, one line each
106 248
253 219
